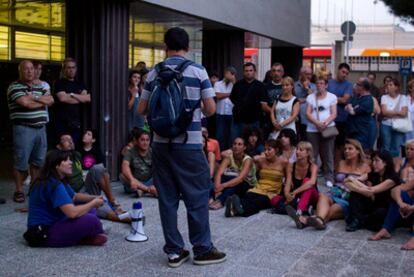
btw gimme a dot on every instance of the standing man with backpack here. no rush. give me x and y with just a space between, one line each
175 94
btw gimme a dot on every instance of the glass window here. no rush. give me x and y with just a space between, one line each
57 48
35 27
146 39
57 15
4 11
32 46
39 46
40 14
4 43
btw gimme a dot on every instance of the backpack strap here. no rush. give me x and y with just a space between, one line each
183 65
159 66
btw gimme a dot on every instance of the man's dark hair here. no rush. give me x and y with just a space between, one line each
373 74
344 65
365 84
60 135
140 132
176 39
249 64
68 60
278 64
140 63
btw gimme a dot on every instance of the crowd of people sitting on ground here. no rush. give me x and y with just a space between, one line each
317 149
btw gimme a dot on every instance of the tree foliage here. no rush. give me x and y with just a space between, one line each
402 8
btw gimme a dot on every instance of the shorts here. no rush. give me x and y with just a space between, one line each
30 146
341 202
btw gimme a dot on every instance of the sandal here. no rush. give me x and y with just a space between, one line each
216 205
118 208
317 222
292 213
18 197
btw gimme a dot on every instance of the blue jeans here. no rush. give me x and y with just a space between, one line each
186 173
393 214
223 130
391 140
237 128
239 189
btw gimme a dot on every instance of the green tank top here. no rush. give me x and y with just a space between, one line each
235 170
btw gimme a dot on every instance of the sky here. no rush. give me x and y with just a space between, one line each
367 12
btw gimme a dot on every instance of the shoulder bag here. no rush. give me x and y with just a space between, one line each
328 132
401 124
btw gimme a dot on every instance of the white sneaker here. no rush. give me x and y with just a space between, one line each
329 184
27 181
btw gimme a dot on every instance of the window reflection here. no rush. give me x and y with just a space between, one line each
44 39
146 40
4 43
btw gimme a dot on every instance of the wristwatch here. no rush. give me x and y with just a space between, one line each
71 94
36 97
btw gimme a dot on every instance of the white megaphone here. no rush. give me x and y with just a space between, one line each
137 217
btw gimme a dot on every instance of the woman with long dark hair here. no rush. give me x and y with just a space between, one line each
134 94
235 175
54 220
368 204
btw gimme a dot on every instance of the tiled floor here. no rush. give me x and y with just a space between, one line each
261 245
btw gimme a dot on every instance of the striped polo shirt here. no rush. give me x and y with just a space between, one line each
20 115
197 84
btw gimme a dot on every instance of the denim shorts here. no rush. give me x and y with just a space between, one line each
30 146
341 202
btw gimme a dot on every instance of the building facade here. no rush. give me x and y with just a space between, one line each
109 37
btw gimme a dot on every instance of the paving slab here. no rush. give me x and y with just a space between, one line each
261 245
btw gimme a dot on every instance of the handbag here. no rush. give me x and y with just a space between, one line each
328 131
402 125
36 236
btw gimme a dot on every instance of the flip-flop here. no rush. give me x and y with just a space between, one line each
292 213
18 197
315 222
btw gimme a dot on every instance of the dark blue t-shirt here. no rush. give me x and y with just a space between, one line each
340 89
360 122
45 200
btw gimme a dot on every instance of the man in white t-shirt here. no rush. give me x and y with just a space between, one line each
224 113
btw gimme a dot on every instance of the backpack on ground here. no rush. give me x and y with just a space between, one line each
169 114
